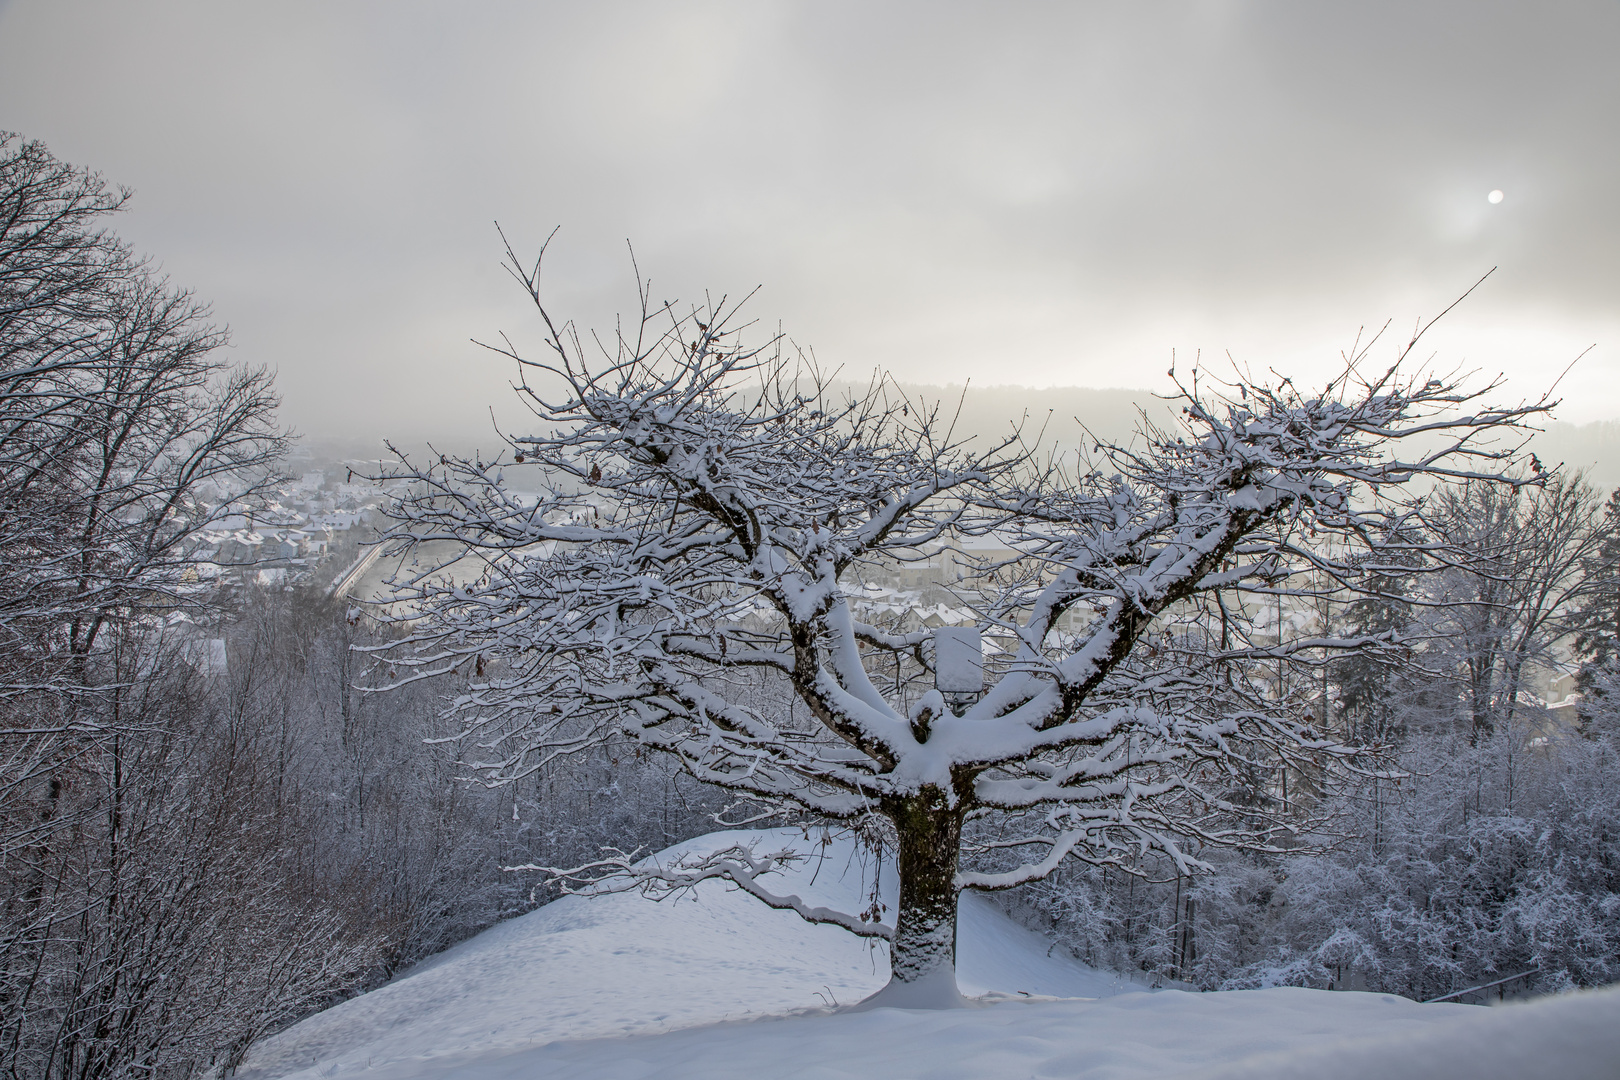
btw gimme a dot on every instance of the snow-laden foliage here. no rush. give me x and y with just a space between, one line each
1598 643
693 513
1457 889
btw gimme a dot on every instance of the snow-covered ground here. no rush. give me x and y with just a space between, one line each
716 985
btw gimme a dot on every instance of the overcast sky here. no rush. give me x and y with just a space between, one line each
1047 195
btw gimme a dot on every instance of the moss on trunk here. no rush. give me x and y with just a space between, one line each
930 835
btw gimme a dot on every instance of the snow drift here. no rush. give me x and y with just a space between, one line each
558 991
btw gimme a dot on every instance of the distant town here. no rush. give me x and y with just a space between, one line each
308 531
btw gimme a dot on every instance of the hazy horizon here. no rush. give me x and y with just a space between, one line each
1059 414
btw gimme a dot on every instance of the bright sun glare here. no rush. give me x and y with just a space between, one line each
1494 197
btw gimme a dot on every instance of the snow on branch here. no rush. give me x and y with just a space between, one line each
739 864
676 555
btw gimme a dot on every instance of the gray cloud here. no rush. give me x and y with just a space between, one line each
1039 194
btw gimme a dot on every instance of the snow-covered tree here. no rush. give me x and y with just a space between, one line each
1598 643
119 418
678 558
123 430
1514 587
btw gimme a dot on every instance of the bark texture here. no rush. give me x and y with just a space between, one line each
930 834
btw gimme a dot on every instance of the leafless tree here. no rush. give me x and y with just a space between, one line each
1516 589
123 430
703 515
116 411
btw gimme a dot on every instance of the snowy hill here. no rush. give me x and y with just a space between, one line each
557 991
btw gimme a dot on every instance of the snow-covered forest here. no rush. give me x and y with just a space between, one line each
1306 688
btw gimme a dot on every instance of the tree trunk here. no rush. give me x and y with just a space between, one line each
923 957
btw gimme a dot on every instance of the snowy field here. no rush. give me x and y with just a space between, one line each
718 986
